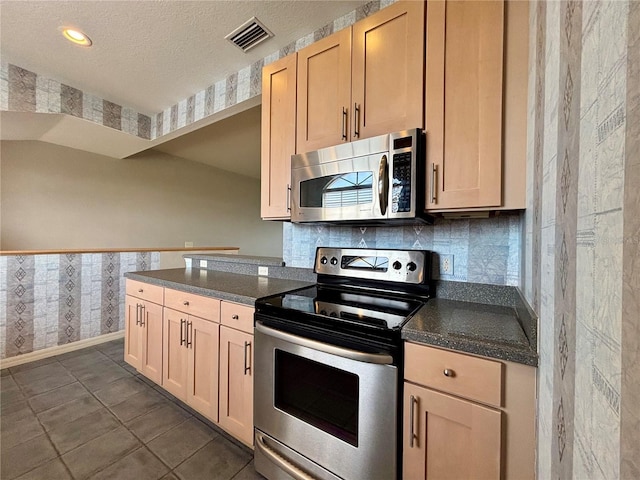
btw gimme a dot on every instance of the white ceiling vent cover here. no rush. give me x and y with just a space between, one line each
249 34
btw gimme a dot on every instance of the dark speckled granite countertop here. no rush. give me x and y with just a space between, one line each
488 320
489 330
210 283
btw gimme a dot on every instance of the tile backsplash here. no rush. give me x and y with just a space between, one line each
484 250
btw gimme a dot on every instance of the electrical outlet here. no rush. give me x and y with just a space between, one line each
188 244
446 264
263 271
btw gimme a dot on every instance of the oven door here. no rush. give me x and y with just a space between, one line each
349 189
335 407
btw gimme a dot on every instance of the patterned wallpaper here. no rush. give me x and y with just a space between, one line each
582 235
484 250
25 91
49 300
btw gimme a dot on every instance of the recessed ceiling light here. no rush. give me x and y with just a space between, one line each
76 36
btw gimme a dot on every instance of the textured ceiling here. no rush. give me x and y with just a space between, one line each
149 55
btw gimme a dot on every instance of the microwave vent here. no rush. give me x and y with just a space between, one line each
249 34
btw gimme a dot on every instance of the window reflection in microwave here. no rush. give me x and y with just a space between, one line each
333 191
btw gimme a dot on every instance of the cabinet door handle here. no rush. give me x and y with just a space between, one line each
137 314
247 365
288 197
434 174
182 330
189 334
447 372
412 434
235 317
142 313
344 123
356 116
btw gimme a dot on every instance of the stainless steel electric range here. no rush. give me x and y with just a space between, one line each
328 366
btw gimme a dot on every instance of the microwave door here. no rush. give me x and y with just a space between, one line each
347 189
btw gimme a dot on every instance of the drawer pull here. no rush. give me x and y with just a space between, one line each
186 303
449 373
235 317
140 290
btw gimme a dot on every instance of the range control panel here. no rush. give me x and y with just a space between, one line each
408 266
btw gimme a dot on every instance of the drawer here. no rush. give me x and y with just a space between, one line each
463 375
196 305
145 291
237 316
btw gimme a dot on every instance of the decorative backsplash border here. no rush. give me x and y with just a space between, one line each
24 91
50 300
484 250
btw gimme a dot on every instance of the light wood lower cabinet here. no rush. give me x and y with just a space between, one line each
467 417
143 337
191 361
449 438
236 383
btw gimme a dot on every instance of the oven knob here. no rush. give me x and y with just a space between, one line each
333 314
397 265
334 261
411 266
323 260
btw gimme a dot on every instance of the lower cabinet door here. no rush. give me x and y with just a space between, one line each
236 383
152 341
132 333
449 438
202 377
175 358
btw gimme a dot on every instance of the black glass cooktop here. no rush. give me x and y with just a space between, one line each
329 305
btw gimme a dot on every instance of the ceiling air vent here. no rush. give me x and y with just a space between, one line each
249 34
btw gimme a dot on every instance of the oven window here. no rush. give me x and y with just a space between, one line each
334 191
320 395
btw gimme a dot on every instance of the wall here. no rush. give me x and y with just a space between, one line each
53 197
582 249
484 250
50 300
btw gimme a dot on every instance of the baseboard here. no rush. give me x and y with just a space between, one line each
59 349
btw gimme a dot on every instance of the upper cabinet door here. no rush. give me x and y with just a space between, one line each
463 107
278 136
388 71
324 92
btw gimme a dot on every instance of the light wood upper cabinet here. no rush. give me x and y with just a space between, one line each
363 81
278 136
324 92
463 107
388 71
236 383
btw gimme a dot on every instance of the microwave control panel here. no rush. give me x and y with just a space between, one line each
401 183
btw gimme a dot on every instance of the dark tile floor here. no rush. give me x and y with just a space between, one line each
87 414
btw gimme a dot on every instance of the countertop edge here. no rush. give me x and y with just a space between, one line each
206 292
475 347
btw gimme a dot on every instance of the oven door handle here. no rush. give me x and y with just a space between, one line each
296 472
379 358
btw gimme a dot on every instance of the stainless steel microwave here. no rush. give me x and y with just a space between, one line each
377 180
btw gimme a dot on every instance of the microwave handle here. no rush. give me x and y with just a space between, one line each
383 184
